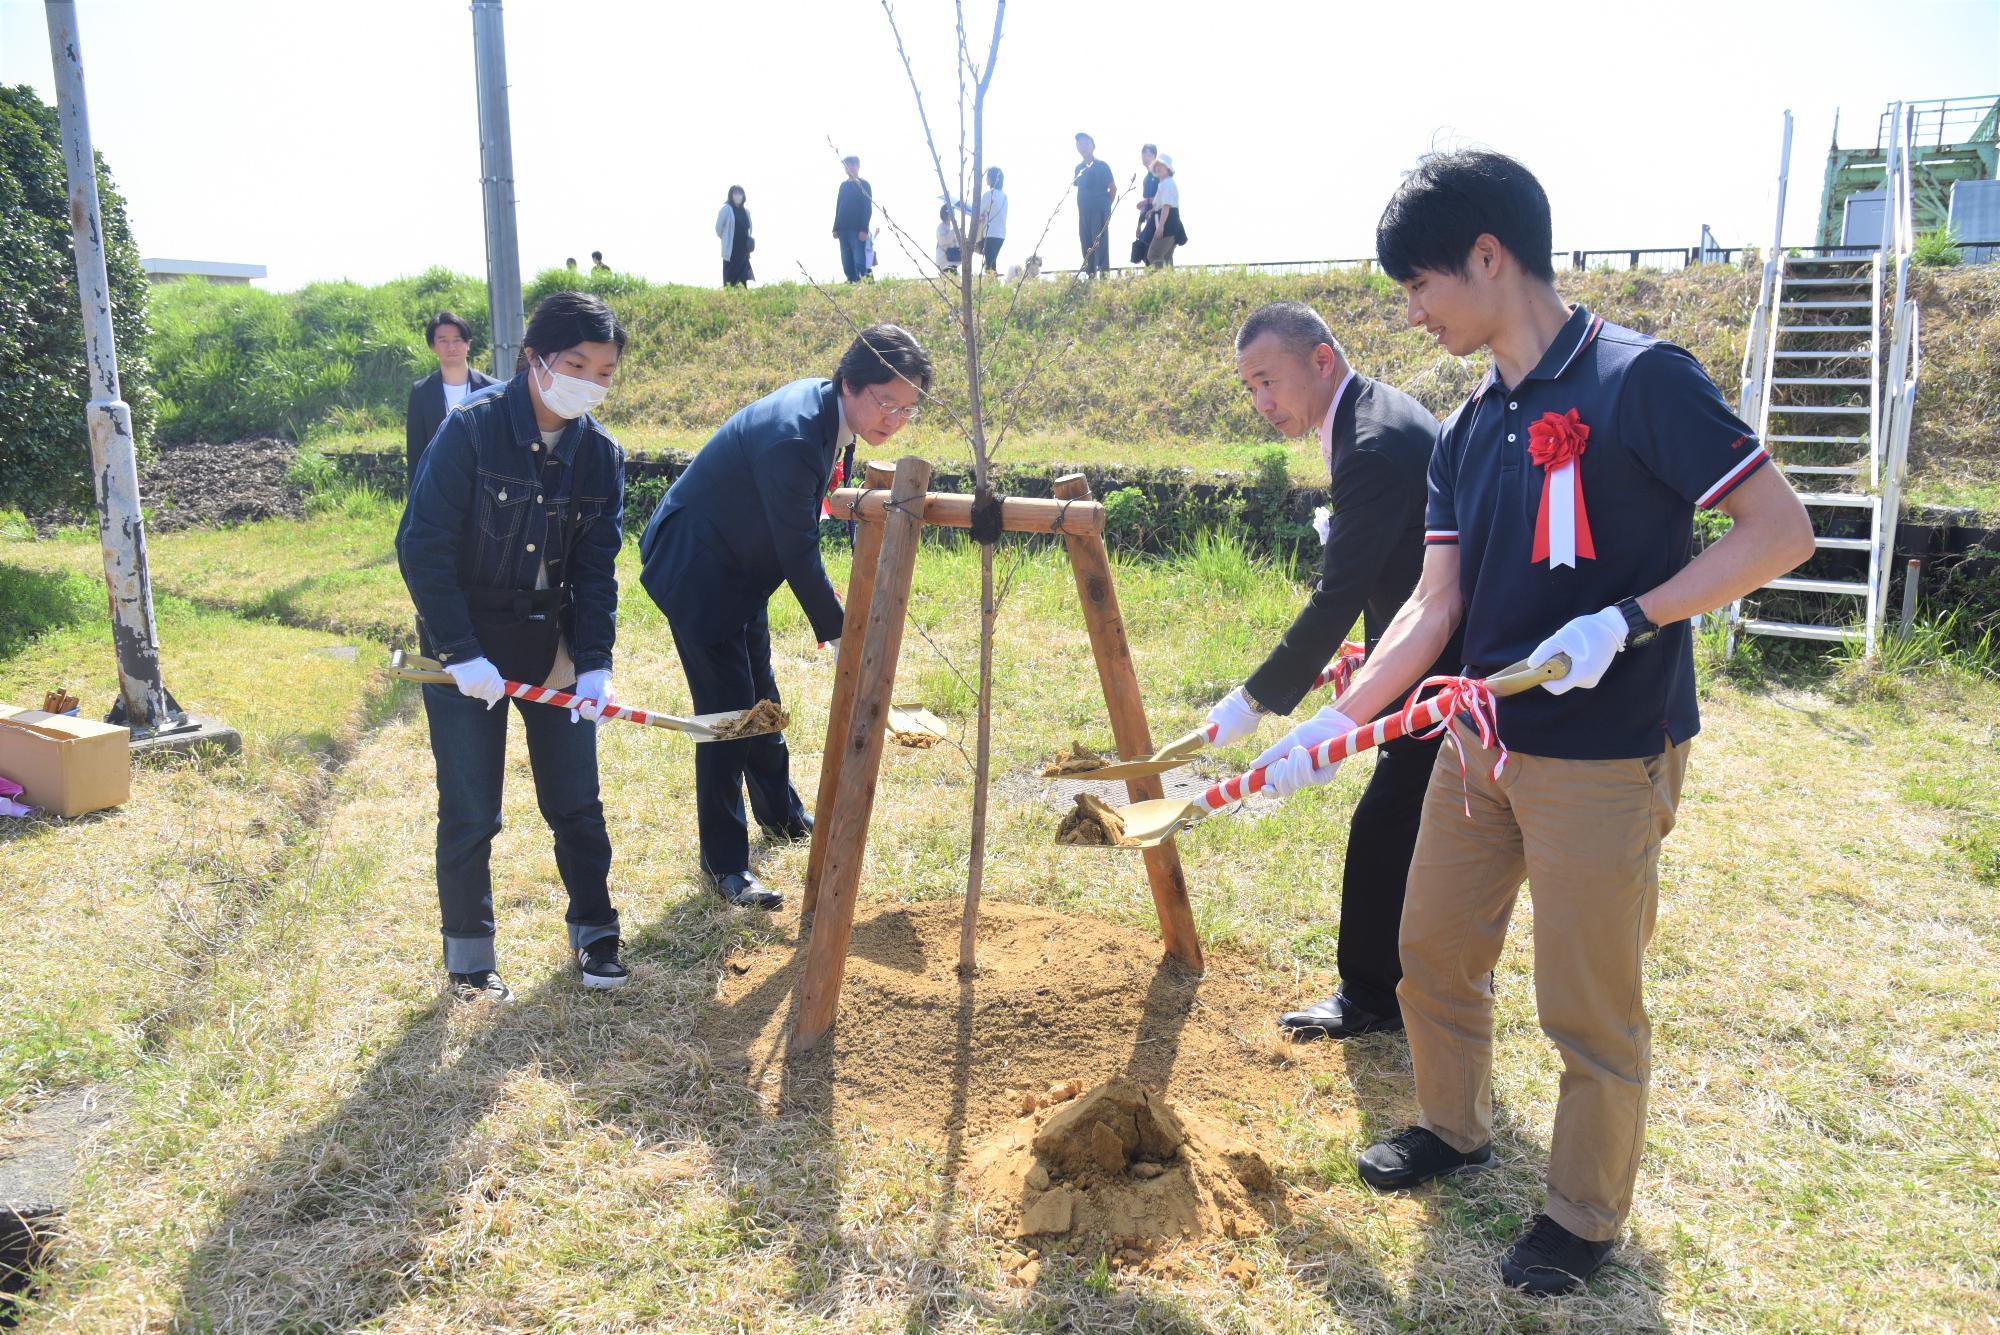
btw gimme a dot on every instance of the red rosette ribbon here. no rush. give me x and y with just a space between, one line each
1562 528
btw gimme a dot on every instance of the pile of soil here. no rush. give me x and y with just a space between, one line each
1079 759
762 717
919 1053
1093 823
190 486
1120 1167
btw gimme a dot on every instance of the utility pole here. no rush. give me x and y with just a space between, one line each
496 186
144 704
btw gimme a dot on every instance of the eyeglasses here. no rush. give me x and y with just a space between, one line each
894 411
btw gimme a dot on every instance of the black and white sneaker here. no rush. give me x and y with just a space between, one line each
480 985
599 963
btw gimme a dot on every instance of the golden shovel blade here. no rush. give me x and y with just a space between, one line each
1172 756
1150 824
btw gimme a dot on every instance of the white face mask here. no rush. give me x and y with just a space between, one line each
569 396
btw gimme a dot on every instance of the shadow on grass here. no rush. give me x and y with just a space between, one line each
337 1224
33 602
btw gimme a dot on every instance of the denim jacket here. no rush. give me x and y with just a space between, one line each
481 511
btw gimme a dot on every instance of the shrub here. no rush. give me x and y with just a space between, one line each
1937 248
44 382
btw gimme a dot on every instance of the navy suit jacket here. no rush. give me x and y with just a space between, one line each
744 518
425 413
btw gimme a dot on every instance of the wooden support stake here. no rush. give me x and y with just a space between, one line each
860 596
947 509
1092 566
846 837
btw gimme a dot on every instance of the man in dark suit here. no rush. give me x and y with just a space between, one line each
853 214
743 519
443 389
1377 444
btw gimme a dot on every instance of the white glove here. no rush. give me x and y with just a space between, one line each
1329 722
593 691
833 644
1295 771
478 678
1591 643
1232 719
1323 523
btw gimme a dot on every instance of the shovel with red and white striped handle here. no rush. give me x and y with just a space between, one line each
1148 824
701 727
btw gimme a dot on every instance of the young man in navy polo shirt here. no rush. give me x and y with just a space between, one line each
1560 518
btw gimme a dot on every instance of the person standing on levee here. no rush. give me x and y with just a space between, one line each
1560 520
509 545
1376 441
743 519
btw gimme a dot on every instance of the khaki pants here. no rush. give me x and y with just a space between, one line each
1160 251
1586 834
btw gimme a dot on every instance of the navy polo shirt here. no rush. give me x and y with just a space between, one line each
1661 443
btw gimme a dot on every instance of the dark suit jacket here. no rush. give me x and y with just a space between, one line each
425 413
744 518
1382 442
853 207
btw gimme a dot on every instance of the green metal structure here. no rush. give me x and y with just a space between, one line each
1950 139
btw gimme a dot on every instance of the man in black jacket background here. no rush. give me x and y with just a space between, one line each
442 390
853 213
1377 444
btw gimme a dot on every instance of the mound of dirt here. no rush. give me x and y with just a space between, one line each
1119 1167
922 1054
190 486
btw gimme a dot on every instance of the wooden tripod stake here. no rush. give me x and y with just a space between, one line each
891 511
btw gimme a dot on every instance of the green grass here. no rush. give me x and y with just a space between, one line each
244 958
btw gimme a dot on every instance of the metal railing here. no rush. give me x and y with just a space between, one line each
1662 258
1933 124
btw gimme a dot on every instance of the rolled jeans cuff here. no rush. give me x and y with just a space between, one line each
469 954
582 934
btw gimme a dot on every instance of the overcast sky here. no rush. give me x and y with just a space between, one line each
330 140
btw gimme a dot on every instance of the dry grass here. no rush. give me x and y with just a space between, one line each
313 1143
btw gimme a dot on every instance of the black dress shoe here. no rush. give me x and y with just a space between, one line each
1336 1017
746 891
1413 1156
1549 1260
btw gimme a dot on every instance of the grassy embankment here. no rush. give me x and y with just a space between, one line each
244 958
1135 371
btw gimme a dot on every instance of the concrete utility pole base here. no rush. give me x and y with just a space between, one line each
195 733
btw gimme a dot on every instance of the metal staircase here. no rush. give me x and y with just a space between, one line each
1837 427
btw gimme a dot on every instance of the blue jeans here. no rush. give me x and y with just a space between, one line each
853 256
469 743
735 673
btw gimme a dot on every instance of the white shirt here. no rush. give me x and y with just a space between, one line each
993 214
455 394
1168 196
946 237
1326 427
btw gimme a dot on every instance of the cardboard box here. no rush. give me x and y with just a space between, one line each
66 766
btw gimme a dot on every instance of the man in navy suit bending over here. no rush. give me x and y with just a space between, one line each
743 519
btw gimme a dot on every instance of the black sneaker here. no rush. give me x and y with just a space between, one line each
1414 1155
480 985
1549 1260
599 963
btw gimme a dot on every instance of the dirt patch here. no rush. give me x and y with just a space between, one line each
189 486
1120 1167
202 485
919 1053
